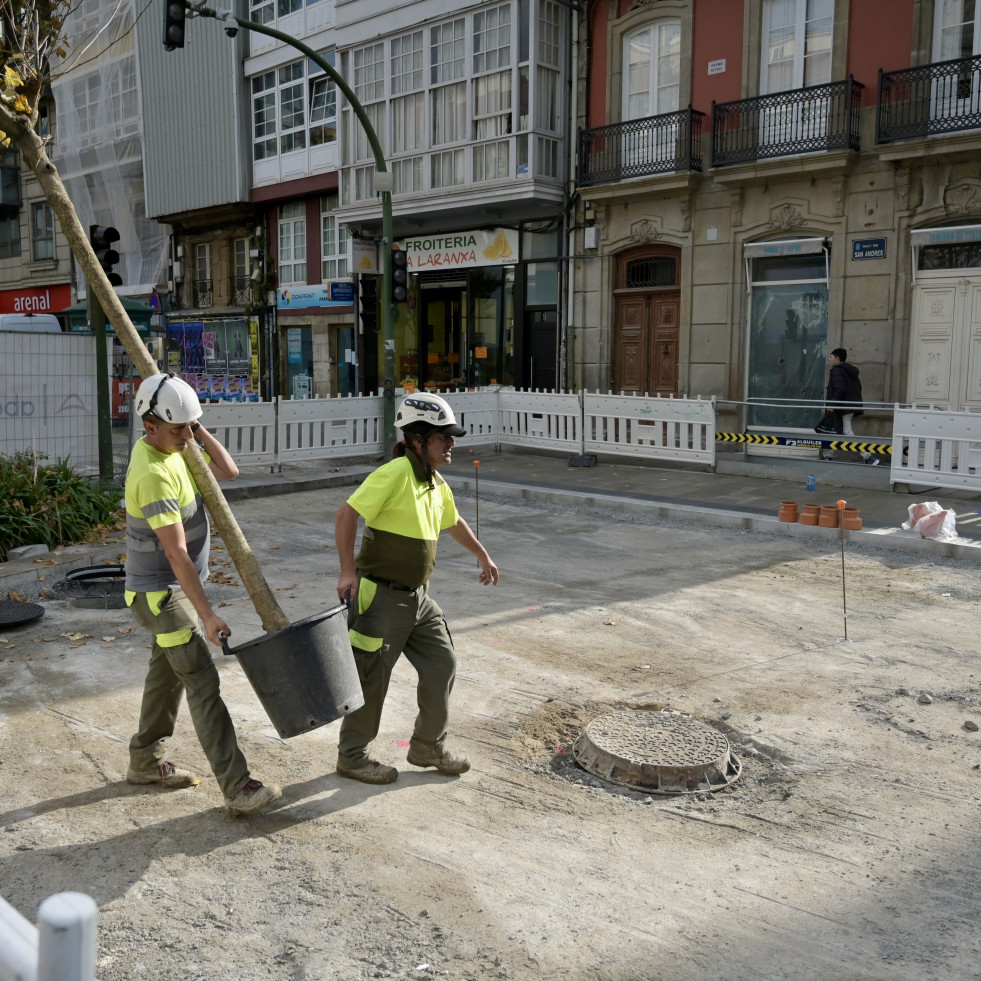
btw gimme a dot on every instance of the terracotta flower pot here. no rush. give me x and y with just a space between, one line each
850 520
809 516
788 511
828 517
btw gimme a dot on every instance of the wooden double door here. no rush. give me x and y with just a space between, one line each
645 343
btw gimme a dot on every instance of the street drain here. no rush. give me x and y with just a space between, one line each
657 753
14 614
96 587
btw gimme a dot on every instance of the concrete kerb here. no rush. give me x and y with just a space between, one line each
893 539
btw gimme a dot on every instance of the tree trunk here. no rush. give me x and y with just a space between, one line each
31 146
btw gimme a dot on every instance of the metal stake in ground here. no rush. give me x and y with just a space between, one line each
841 535
476 494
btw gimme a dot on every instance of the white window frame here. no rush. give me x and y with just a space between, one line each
658 101
333 241
292 237
42 232
804 16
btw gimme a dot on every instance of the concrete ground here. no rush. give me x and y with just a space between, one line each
847 848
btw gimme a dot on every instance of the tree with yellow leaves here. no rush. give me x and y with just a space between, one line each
32 31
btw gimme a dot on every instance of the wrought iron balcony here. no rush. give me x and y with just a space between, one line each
944 97
204 293
809 120
641 147
241 291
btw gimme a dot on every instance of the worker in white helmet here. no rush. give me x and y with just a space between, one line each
167 548
405 504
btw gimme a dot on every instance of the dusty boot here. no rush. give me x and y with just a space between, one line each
445 761
253 797
166 774
370 772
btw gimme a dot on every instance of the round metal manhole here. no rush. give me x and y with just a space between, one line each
14 614
657 753
96 587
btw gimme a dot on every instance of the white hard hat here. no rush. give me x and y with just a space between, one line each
168 398
422 413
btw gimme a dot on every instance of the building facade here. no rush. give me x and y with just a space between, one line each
758 184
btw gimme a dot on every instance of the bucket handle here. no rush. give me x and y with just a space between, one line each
224 637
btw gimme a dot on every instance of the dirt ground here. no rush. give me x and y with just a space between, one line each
848 849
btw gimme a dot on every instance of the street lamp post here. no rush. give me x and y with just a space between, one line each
383 184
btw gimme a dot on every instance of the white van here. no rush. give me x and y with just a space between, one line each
36 323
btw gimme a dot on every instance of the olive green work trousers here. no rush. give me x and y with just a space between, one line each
384 623
180 662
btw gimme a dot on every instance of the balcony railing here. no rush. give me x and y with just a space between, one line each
241 291
204 293
809 120
641 147
944 97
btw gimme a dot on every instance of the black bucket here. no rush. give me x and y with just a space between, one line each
305 674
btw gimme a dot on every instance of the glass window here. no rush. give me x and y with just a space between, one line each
652 70
407 63
491 39
323 103
333 242
447 52
447 168
9 236
42 226
202 260
957 32
492 105
409 123
264 116
240 257
292 243
796 44
549 28
262 11
291 108
449 116
788 333
369 73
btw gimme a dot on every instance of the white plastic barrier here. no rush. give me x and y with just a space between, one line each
322 429
246 429
60 948
546 420
653 428
936 448
479 413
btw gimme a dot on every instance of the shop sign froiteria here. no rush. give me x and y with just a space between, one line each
460 250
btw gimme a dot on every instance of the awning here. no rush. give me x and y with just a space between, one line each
139 313
952 235
786 246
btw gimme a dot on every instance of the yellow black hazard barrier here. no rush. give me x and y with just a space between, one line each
815 442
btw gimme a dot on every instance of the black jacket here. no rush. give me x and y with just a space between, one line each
844 389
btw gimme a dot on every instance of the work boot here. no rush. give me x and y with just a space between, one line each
370 772
166 774
445 761
253 797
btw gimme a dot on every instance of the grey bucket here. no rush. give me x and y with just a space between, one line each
304 675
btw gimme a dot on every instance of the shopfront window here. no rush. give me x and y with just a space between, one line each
788 333
299 362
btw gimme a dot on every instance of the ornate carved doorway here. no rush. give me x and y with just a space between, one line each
647 304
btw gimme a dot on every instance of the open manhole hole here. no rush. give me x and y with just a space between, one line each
657 753
14 614
96 587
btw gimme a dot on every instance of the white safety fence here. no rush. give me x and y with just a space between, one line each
286 431
936 448
60 948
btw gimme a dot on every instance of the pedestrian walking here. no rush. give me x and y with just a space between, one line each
405 505
167 548
844 398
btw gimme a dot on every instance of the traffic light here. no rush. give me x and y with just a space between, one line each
368 304
400 276
102 237
174 14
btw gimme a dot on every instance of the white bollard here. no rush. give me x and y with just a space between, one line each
66 938
18 945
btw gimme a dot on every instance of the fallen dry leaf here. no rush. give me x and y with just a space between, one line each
124 630
44 561
80 643
610 623
15 596
110 639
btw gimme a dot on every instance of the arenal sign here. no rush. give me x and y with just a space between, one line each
36 299
462 250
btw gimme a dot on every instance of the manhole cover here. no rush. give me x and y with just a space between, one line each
96 587
14 614
657 753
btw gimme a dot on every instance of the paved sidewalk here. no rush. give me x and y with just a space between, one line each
733 496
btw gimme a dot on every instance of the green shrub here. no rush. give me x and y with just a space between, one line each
49 504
